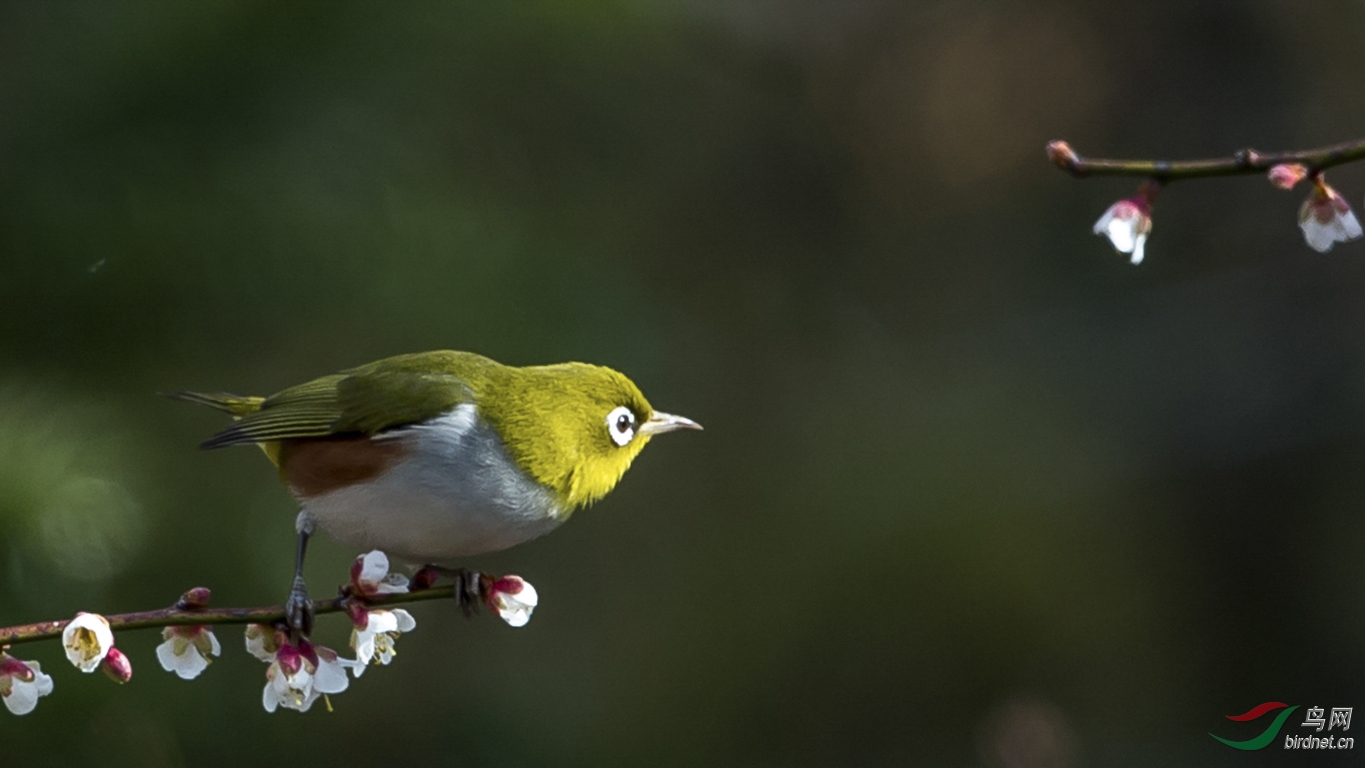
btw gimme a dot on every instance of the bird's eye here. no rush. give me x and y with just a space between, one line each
621 425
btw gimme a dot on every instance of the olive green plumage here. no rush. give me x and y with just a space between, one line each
550 418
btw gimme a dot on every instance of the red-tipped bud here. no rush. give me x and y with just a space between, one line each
1287 175
117 666
510 585
195 599
425 578
1062 155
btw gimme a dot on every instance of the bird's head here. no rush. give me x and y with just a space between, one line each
574 427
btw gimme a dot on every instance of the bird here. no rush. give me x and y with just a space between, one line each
440 455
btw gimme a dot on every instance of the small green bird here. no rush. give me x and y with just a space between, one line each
438 455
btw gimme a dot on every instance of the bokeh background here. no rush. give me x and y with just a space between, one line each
973 491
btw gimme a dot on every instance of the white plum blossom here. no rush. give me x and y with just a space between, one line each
1326 218
370 576
376 639
1127 224
87 639
186 650
22 683
514 599
299 675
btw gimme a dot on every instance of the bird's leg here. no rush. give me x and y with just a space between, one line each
298 609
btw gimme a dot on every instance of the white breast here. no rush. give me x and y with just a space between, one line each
456 493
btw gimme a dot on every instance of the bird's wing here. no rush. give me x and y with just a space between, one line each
365 400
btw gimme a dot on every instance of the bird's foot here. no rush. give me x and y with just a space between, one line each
298 610
471 590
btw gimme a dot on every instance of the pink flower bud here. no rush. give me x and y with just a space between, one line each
425 578
117 666
1286 175
195 598
1062 155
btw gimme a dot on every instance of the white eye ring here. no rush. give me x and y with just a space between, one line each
621 425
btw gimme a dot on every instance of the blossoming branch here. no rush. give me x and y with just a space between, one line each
299 671
1324 217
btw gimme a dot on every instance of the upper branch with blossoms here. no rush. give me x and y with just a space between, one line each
299 671
1325 217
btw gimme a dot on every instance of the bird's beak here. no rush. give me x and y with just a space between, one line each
660 423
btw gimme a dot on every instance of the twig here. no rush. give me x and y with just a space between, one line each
179 615
1244 161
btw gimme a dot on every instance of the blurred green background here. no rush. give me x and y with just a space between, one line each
973 491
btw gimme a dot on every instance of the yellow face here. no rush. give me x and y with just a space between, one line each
574 427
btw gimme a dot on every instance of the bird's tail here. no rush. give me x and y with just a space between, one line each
236 405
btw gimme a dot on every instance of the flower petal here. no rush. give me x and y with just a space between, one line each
374 566
22 698
44 682
206 642
1350 225
1318 236
392 584
269 698
331 674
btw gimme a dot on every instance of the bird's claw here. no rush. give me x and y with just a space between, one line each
298 610
470 591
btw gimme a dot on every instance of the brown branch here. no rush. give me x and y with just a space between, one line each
180 614
1241 162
